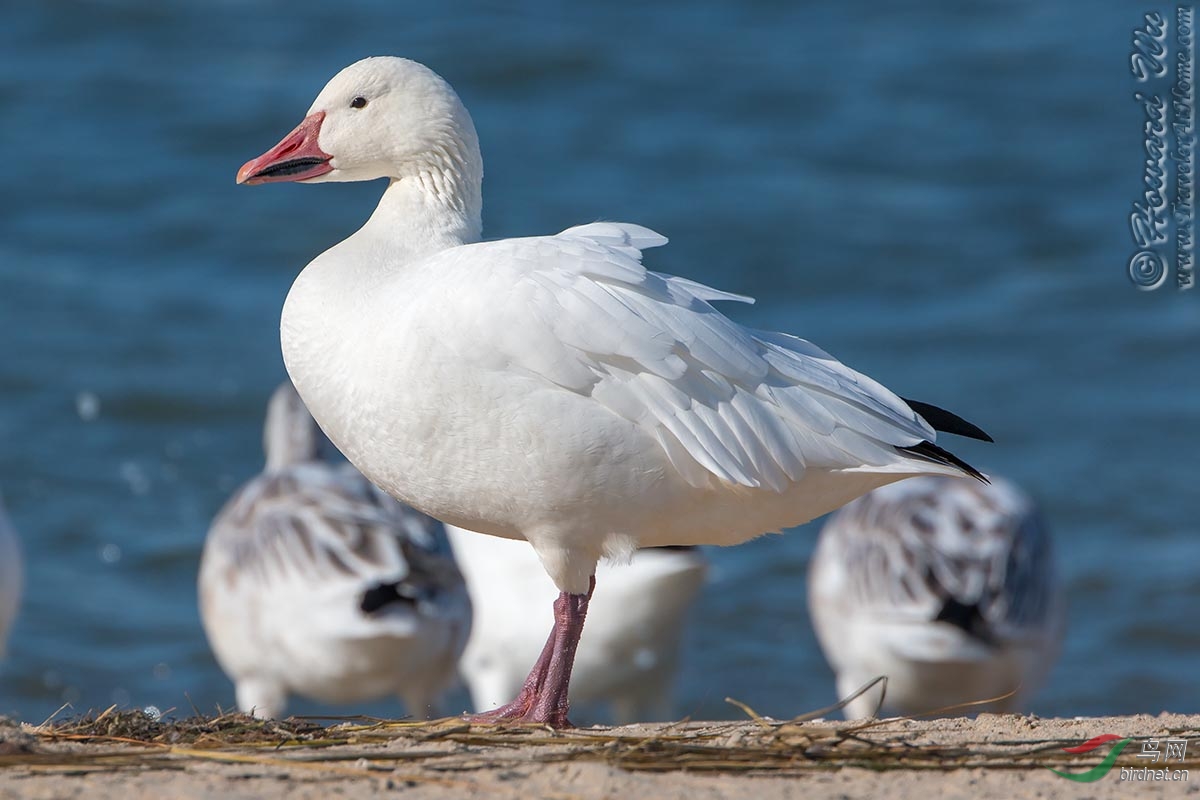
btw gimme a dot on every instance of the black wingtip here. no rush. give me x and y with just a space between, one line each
947 422
929 451
967 618
380 596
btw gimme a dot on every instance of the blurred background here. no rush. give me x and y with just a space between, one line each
938 197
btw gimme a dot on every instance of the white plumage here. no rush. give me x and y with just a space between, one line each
629 651
551 388
11 578
314 582
947 587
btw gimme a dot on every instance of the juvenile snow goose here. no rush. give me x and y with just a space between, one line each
947 587
316 583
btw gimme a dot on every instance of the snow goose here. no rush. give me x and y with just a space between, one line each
314 582
11 578
947 587
628 653
551 388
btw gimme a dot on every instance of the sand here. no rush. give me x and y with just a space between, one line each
993 756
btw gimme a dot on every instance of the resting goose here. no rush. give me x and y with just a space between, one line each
316 583
945 586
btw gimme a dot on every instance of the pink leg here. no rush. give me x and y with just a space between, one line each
543 697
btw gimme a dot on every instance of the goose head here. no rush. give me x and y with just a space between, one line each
381 117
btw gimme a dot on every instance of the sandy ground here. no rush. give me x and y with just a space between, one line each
994 756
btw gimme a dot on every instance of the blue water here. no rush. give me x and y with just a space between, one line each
938 197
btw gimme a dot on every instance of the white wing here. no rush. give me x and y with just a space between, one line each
746 407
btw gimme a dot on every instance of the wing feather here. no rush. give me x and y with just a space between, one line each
748 407
320 525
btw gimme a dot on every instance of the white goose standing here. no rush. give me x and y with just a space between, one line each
551 388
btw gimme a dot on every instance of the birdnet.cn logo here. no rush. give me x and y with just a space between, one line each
1156 751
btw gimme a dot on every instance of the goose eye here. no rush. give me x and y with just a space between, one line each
358 102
